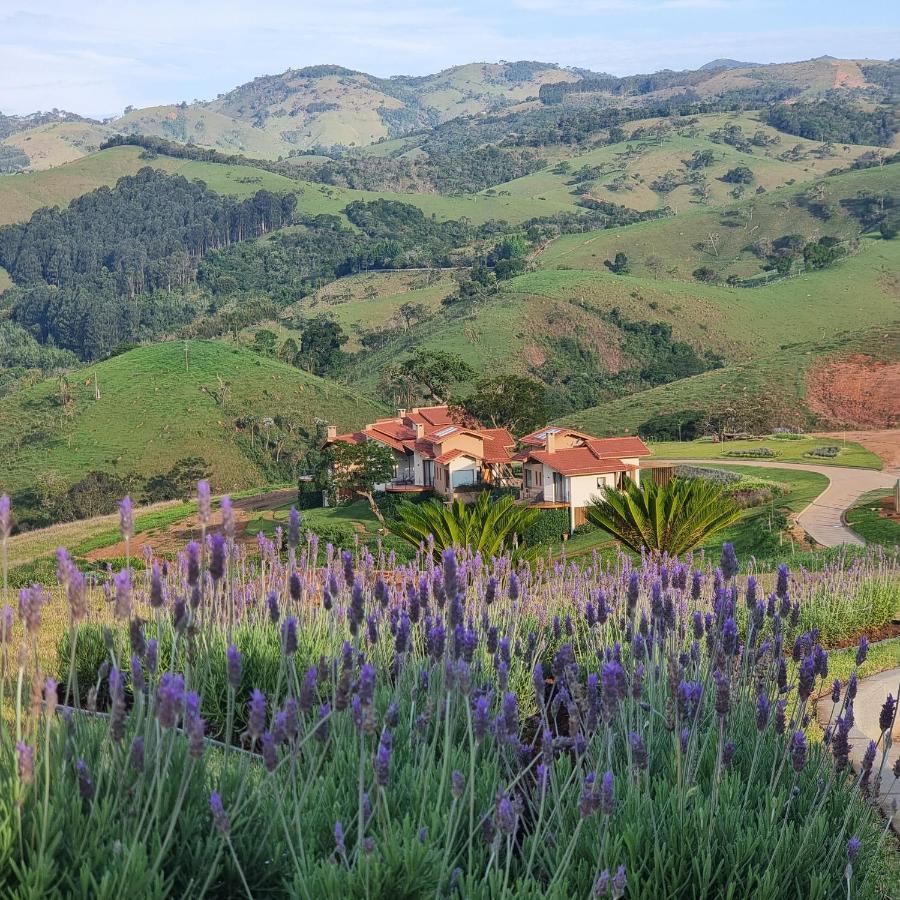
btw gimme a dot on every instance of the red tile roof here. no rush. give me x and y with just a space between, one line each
579 461
430 415
538 438
621 446
450 455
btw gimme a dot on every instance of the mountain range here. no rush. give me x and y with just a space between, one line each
329 107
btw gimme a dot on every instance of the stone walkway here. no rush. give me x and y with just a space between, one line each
870 697
823 519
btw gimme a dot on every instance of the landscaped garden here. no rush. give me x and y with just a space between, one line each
304 720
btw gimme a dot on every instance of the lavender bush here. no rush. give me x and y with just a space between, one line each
318 723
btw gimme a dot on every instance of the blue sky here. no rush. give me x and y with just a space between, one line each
97 57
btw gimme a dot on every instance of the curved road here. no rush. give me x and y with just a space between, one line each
821 520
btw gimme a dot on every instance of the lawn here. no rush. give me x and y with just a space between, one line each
795 451
155 409
864 519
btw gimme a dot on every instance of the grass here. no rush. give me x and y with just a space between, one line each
851 454
5 280
774 382
864 519
667 248
640 162
152 412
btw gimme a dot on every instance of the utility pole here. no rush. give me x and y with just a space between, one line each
186 367
96 385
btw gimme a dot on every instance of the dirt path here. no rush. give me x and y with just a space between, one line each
822 520
884 444
174 537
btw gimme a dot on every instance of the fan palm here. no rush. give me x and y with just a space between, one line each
672 518
489 527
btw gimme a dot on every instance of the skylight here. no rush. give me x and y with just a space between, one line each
542 436
445 431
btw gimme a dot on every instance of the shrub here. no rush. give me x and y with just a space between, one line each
825 452
459 724
753 453
550 527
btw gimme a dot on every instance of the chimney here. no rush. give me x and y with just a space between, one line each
331 433
551 442
401 413
420 431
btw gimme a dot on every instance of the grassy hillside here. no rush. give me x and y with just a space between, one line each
153 411
626 171
676 246
22 194
778 381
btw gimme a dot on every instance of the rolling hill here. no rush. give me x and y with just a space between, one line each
156 408
861 369
297 110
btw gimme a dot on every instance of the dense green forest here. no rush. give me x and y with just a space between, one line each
108 269
826 120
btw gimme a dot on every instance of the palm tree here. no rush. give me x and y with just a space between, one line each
671 518
488 526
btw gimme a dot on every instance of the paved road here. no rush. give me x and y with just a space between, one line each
821 520
870 696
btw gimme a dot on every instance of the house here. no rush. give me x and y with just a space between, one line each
432 452
564 468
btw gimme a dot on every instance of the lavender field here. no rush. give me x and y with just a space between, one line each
312 721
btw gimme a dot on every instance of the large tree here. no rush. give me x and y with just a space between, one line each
431 373
357 469
508 401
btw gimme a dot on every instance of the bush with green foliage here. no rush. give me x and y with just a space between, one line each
550 527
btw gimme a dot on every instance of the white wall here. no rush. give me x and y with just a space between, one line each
464 464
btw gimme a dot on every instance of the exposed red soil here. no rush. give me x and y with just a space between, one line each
857 390
174 537
884 444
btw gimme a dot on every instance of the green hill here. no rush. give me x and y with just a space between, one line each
648 171
734 239
773 390
23 193
156 408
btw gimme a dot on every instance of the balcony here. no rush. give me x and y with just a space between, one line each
405 484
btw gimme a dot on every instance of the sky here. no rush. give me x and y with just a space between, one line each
95 57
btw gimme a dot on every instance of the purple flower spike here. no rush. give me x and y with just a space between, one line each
219 816
457 784
126 519
862 651
799 751
607 795
234 666
888 711
204 502
638 750
853 849
256 719
762 712
289 635
25 754
5 518
137 754
85 782
728 563
601 885
382 764
619 883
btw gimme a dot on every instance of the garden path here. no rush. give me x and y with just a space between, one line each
870 696
823 519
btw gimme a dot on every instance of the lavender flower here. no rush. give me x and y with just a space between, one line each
840 746
780 722
781 588
589 801
505 815
638 750
289 635
126 519
886 718
137 754
457 784
219 816
85 783
169 699
382 764
601 885
619 883
269 751
853 849
762 712
728 563
204 502
799 750
607 794
256 717
234 666
5 518
862 651
25 754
